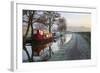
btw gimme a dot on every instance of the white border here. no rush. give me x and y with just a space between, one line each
17 38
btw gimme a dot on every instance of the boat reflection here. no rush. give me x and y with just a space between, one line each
41 48
44 51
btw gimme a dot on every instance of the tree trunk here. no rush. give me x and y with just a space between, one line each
24 38
32 42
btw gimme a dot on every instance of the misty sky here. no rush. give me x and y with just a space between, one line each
77 19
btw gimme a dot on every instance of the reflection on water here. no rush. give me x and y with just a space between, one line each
62 41
45 51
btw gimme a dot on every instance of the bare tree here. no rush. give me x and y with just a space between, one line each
62 25
51 18
30 19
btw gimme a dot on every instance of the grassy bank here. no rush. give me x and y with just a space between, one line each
86 36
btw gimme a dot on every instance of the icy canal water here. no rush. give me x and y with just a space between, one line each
56 46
